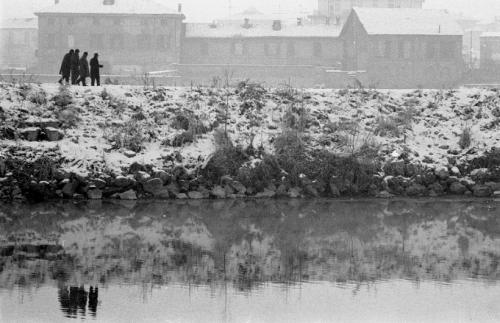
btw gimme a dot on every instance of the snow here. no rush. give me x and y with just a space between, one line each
19 23
139 7
406 21
259 29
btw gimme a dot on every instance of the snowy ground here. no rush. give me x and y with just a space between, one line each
429 122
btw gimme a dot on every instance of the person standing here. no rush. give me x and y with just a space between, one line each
94 70
75 66
84 69
65 70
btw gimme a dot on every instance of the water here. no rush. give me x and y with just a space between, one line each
251 261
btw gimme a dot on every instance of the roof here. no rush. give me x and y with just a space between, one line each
200 30
406 21
120 7
19 23
495 34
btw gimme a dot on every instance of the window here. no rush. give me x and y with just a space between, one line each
317 49
290 49
238 49
96 21
71 21
391 3
27 37
404 49
388 49
144 42
448 49
117 21
204 48
144 22
71 41
430 50
51 21
162 42
380 50
164 22
272 49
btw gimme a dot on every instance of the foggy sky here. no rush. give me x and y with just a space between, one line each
208 10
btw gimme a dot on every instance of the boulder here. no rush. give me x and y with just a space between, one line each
310 190
143 177
415 190
70 188
218 192
294 192
238 187
496 194
437 189
173 189
30 134
457 188
181 196
163 176
334 190
442 173
153 186
195 195
128 195
266 194
129 153
384 195
99 183
122 181
94 194
482 191
54 134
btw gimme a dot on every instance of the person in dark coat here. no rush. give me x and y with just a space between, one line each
94 70
65 70
75 66
84 69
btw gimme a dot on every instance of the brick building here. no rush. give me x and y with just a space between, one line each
403 47
273 50
18 44
132 36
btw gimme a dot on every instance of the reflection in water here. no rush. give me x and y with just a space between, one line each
73 301
244 247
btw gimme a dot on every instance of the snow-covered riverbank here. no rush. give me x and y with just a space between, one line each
129 142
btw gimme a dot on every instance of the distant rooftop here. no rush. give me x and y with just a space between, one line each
403 21
204 30
118 7
19 23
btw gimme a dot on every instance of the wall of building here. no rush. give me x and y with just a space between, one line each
18 48
490 53
263 51
126 44
402 61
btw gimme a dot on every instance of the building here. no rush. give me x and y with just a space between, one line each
131 36
337 11
18 44
270 50
403 48
490 52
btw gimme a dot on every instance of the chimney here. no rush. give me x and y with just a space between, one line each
179 7
56 1
246 23
276 25
299 21
108 2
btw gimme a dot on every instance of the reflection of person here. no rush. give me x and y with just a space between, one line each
93 299
95 77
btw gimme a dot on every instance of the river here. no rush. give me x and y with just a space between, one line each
251 261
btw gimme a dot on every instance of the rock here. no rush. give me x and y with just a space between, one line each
266 194
394 185
94 194
218 192
225 180
204 191
310 190
494 186
455 171
99 183
195 195
181 196
70 188
122 182
457 188
229 190
173 189
442 173
129 153
143 177
384 195
54 134
437 189
416 190
238 187
334 190
281 190
496 194
294 192
163 176
153 186
128 195
8 133
30 134
482 191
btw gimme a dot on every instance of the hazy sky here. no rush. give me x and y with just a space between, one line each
207 10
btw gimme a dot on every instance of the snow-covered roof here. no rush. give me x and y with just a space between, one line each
406 21
19 23
492 34
118 7
203 30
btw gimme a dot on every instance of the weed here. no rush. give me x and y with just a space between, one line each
387 126
129 135
63 97
465 138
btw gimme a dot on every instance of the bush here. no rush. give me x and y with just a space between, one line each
465 138
387 127
129 136
63 98
69 117
252 95
185 137
260 175
37 96
225 161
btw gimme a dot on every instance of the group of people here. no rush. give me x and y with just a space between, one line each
77 69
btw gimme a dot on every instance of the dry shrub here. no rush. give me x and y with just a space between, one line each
465 138
129 135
